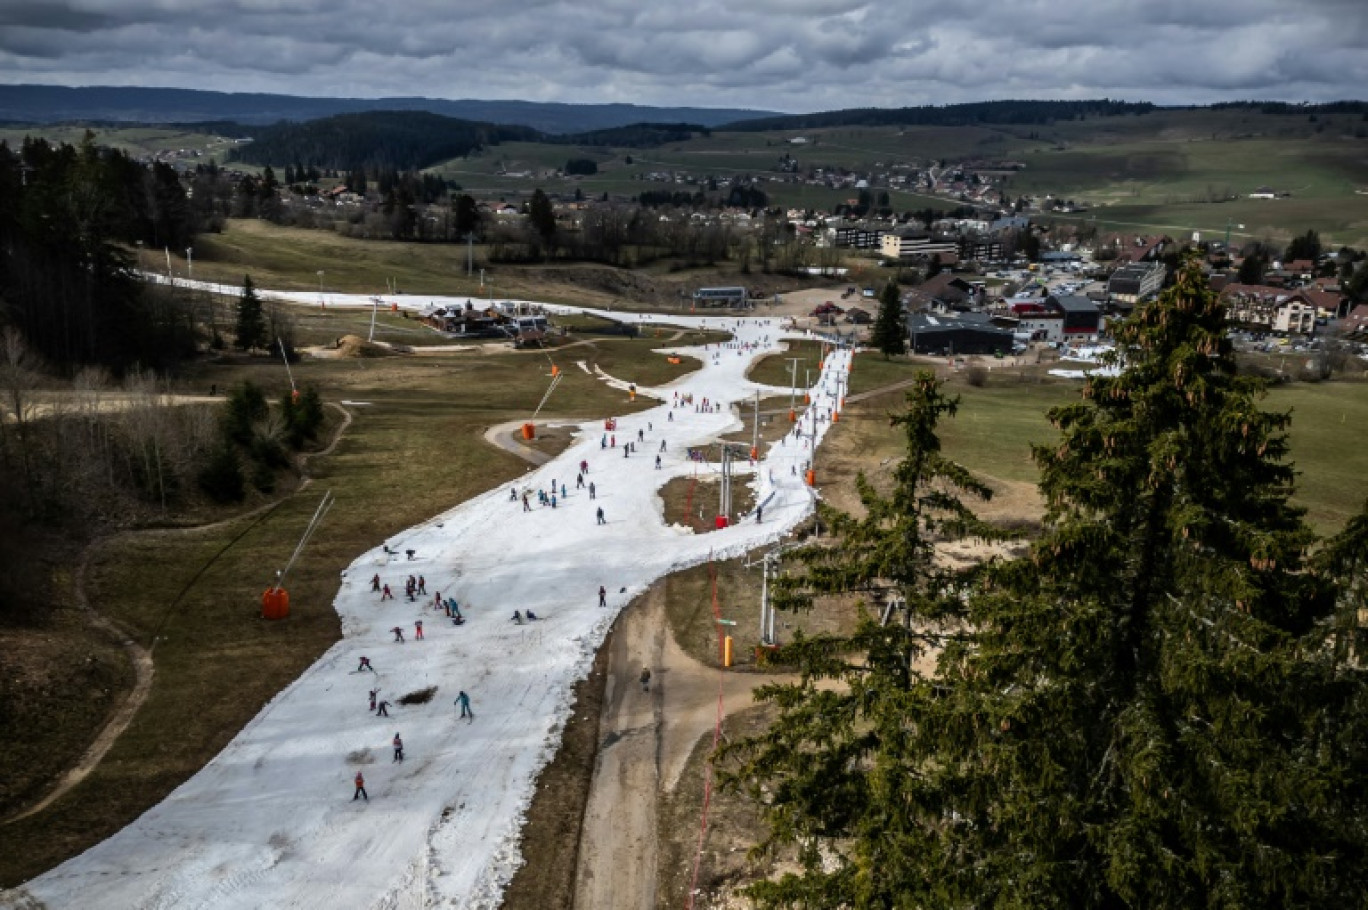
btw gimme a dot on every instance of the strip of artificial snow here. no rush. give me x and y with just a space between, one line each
271 822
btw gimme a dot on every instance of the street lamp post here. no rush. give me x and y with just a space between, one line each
320 288
189 263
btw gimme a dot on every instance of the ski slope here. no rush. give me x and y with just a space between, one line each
271 822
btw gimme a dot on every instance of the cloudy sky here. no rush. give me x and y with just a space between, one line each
787 55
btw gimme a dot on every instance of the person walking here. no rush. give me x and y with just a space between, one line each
422 585
382 709
375 582
398 749
645 679
603 596
463 700
601 519
360 782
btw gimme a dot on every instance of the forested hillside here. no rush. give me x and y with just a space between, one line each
375 141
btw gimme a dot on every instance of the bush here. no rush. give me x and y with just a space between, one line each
221 479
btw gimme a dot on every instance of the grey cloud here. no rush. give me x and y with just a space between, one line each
782 54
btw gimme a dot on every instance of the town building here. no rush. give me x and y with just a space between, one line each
918 245
962 333
1135 283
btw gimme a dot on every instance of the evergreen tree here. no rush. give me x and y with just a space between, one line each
251 319
542 217
1156 708
889 333
836 757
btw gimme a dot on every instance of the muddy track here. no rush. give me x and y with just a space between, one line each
141 657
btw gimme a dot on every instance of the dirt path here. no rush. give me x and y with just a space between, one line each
507 436
141 657
645 740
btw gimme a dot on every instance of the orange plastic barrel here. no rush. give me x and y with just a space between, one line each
275 603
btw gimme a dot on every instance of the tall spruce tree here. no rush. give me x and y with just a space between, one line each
889 333
1151 710
837 756
251 319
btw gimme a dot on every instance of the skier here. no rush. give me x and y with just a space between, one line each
373 693
657 462
527 507
579 481
517 617
603 596
463 700
662 445
641 435
364 665
584 467
624 451
512 494
422 585
531 617
670 418
386 594
564 492
398 634
601 519
645 679
759 514
375 582
418 630
360 788
592 492
382 709
553 500
398 749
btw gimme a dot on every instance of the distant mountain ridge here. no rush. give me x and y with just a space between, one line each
53 104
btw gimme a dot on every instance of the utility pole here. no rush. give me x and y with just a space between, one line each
470 254
793 385
755 429
724 507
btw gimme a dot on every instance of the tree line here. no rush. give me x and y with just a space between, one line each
69 218
991 112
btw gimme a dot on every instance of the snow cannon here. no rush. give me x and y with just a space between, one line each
835 416
275 603
811 477
807 398
793 416
529 431
721 522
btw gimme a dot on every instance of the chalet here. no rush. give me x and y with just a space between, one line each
857 316
942 292
1269 309
1355 325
